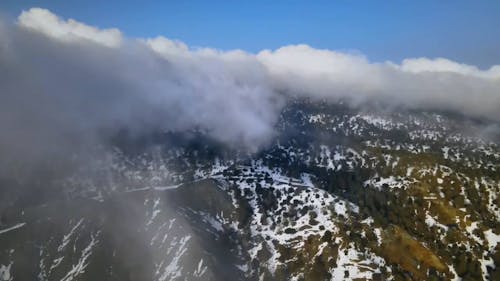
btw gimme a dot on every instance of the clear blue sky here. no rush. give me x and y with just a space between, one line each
466 31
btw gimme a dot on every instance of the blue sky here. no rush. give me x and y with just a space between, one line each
465 31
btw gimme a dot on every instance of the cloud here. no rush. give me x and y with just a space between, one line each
44 21
62 91
64 83
440 65
417 83
320 73
66 87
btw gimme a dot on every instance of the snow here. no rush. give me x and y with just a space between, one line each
493 189
391 181
485 263
306 179
174 268
155 212
200 269
317 118
430 221
378 121
5 274
492 238
79 268
378 233
340 208
168 187
325 156
157 188
56 263
242 267
215 222
470 230
409 170
368 221
268 228
325 207
454 272
445 150
352 261
68 236
19 225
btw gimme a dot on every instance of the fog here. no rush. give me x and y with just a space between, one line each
61 90
64 84
415 83
66 88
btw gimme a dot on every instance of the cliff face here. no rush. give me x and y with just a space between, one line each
340 194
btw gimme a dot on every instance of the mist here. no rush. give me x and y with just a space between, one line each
61 91
415 83
154 134
66 85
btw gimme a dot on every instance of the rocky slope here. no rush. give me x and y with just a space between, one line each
341 193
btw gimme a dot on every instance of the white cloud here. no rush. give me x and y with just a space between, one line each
322 73
49 88
419 65
167 47
139 84
435 84
44 21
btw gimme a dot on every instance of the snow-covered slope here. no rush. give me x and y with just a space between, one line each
340 194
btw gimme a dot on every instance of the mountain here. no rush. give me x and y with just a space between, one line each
342 192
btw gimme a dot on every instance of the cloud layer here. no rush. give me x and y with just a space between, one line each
420 82
64 81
